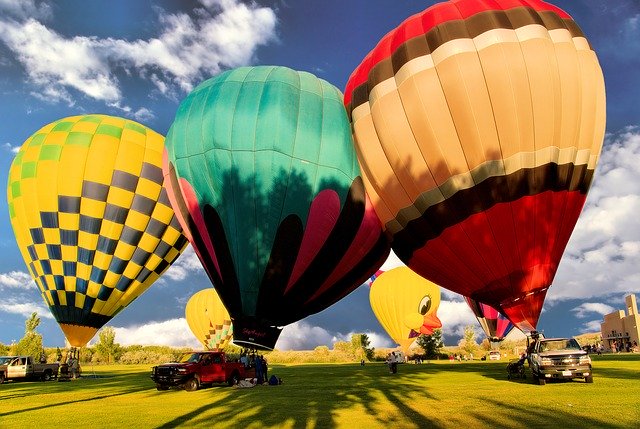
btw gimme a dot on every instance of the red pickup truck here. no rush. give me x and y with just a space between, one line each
197 368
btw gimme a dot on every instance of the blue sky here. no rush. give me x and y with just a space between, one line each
139 59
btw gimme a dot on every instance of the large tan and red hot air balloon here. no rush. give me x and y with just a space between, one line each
478 125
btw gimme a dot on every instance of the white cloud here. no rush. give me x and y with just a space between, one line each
302 336
455 315
10 148
591 326
583 310
392 262
188 48
186 264
16 280
24 308
174 333
25 8
57 64
603 254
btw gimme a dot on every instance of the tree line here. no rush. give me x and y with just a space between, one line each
107 351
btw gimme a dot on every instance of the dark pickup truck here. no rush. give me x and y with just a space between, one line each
558 358
197 368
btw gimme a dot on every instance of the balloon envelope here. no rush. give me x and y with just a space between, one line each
209 320
92 218
478 125
405 304
495 325
264 177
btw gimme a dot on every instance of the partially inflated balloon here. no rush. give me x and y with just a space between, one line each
209 320
478 126
405 305
495 325
91 217
262 173
371 279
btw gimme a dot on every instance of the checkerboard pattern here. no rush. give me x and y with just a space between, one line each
219 335
91 216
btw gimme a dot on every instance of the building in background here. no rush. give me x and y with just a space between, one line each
621 331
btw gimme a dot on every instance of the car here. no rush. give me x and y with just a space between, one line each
194 369
558 358
494 355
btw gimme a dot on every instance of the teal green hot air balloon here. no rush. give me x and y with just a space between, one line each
263 176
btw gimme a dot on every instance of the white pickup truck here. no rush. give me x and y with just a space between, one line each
23 367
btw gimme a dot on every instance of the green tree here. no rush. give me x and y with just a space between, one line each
361 346
31 343
468 342
4 349
107 346
431 344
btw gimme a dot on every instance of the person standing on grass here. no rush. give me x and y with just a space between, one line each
259 370
263 362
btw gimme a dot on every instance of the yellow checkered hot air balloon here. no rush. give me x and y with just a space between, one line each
209 320
91 217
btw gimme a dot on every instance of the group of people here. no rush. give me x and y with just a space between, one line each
250 360
621 346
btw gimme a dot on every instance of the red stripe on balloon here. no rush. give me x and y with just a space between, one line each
368 234
191 200
424 21
323 215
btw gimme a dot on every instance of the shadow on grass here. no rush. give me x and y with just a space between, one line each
266 406
74 389
93 398
262 405
531 417
319 395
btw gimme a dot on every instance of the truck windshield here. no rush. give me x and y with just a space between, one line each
567 344
190 358
5 359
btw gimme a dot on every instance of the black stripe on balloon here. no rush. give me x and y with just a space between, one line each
77 316
451 30
475 307
286 245
360 272
229 289
333 249
491 191
492 326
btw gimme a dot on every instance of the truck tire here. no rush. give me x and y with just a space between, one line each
234 379
542 381
192 384
588 379
47 375
1 377
162 387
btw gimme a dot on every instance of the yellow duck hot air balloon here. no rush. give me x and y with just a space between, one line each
209 320
91 217
405 305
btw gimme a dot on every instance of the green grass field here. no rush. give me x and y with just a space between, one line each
438 395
